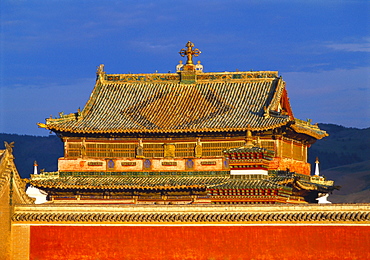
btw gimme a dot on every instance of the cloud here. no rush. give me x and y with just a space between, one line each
351 47
151 46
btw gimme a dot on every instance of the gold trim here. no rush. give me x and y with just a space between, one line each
59 129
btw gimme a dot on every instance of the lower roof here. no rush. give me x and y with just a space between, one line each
165 181
127 183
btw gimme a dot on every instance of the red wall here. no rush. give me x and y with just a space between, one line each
200 242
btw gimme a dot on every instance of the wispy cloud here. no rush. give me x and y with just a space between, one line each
363 46
151 46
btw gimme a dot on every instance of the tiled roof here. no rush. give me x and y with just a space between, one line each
222 104
174 180
248 184
156 183
149 183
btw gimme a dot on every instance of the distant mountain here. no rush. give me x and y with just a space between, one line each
343 146
345 158
355 182
27 149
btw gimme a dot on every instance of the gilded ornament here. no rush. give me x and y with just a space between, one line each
189 52
198 149
169 150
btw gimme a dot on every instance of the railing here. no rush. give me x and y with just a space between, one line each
44 175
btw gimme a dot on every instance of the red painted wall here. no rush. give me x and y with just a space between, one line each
200 242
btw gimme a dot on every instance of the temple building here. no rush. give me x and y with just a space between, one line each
171 166
185 137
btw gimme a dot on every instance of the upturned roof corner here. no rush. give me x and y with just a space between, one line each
305 127
10 179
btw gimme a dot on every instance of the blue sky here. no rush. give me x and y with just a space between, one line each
50 51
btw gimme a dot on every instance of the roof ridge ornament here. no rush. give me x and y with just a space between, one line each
189 52
189 70
9 146
100 69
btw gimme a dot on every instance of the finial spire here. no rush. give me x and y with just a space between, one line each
189 52
317 171
35 168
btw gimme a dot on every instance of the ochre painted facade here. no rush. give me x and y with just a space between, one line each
291 164
94 154
138 165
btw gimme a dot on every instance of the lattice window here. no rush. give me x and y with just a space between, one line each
110 150
217 148
185 150
74 150
153 150
298 152
286 149
269 145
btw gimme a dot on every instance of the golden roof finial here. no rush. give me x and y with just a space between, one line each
189 52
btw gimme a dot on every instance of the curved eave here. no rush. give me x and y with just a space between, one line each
285 181
304 186
316 133
55 128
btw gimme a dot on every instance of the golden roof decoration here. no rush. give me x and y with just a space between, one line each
189 52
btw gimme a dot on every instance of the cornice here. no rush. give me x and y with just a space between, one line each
211 214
